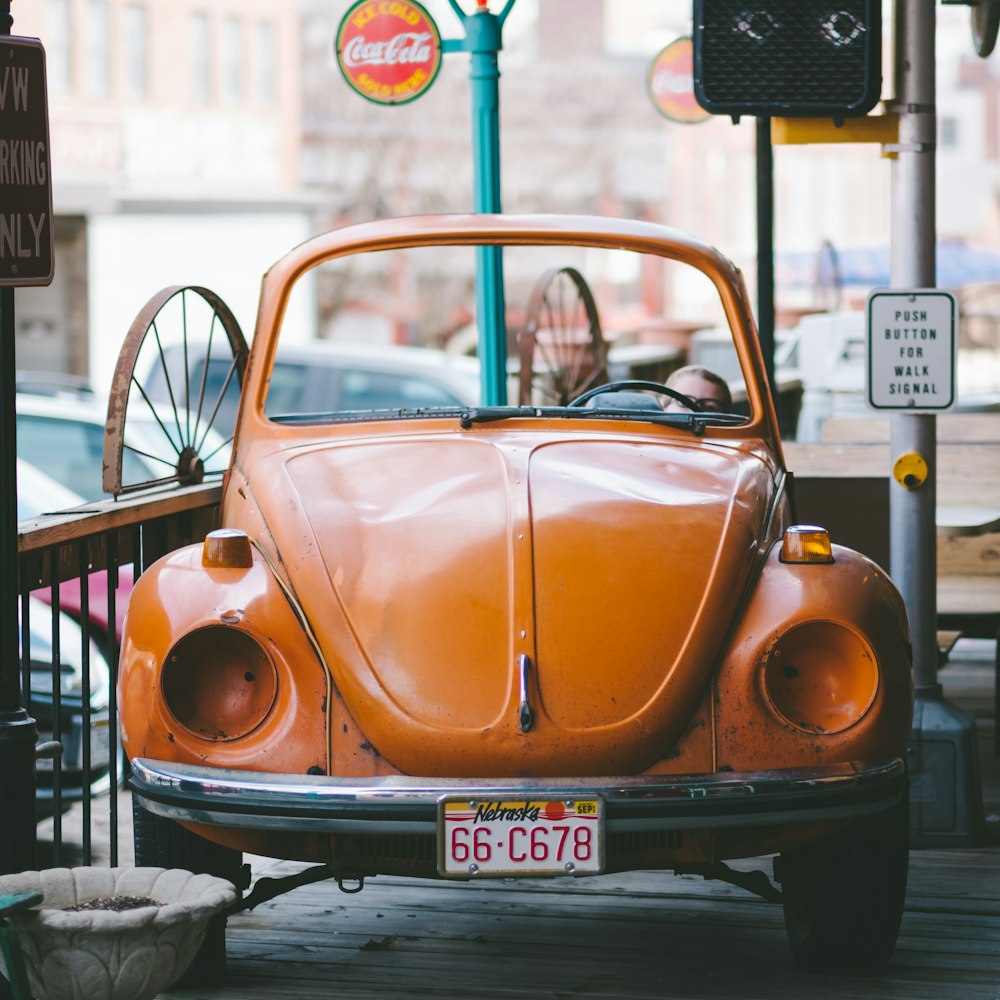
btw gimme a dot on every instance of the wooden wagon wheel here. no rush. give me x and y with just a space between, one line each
563 352
166 401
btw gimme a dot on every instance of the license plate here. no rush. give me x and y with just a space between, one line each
520 837
72 740
100 743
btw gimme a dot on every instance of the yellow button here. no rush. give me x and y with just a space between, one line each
910 470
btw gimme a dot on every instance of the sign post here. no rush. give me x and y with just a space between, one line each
946 806
25 259
390 54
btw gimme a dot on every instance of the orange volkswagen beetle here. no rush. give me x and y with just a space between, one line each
571 632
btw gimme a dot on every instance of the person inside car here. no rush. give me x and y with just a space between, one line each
706 389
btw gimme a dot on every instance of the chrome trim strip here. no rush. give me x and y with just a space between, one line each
524 713
780 488
396 804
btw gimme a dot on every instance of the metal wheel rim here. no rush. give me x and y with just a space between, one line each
185 430
561 305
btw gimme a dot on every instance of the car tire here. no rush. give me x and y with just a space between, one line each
162 843
843 896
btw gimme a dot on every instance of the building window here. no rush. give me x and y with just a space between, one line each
232 59
265 62
98 29
58 50
201 59
135 50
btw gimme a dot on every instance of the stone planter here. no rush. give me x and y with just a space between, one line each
105 954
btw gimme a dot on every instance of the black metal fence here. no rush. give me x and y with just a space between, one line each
75 571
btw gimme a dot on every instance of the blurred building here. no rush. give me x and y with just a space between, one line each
175 133
196 141
579 133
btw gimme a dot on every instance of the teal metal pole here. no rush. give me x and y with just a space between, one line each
483 40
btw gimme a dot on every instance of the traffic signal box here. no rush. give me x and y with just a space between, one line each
788 58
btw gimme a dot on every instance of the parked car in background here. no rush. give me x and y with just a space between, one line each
38 495
324 375
318 376
71 684
63 436
476 641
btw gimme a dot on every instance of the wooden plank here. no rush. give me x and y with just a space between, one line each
969 555
966 520
966 473
950 427
975 594
629 935
107 515
837 459
946 639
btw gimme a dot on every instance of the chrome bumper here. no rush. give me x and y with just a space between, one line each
260 801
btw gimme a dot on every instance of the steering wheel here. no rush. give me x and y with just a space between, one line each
633 385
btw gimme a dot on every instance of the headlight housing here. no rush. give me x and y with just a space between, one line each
219 683
821 677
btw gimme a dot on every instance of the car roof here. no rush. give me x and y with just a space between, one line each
38 493
84 409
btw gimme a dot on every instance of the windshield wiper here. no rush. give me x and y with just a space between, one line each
366 416
694 422
487 414
468 416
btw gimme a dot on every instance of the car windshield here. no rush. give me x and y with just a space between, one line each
394 333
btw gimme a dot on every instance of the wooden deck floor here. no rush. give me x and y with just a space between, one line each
619 936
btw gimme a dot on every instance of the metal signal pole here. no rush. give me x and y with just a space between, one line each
945 791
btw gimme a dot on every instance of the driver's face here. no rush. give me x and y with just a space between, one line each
697 388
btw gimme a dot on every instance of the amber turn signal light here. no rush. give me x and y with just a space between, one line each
226 548
805 543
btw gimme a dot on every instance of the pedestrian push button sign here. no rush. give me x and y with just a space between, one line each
911 350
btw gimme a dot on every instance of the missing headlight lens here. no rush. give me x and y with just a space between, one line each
219 683
821 677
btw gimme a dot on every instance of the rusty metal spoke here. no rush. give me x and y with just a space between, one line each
562 348
156 378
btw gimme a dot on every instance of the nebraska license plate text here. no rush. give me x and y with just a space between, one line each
520 837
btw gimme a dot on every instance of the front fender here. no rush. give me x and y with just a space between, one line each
851 592
175 598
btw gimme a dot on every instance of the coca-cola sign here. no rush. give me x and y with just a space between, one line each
388 50
671 83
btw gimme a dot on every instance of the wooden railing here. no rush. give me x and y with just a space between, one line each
106 543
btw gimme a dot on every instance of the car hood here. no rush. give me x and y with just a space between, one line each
443 575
